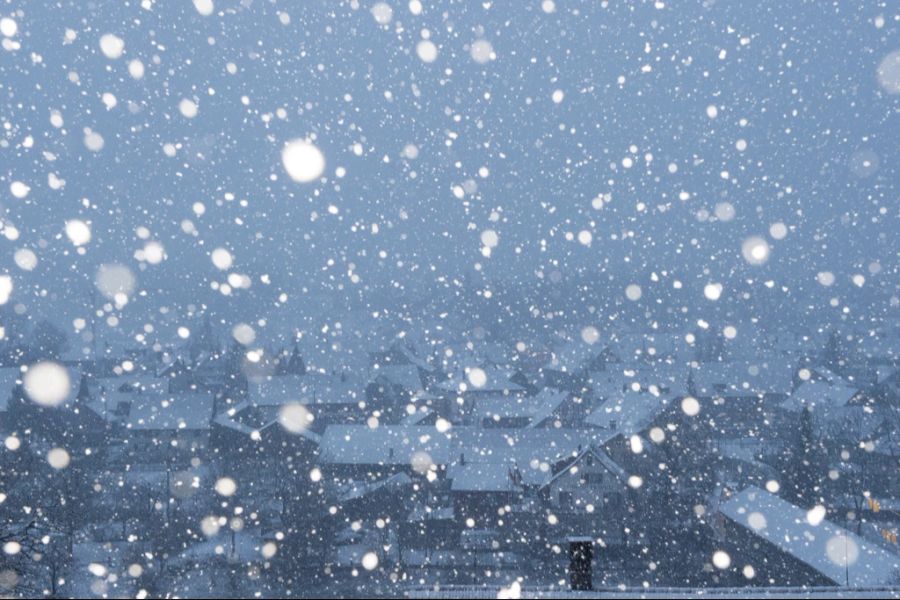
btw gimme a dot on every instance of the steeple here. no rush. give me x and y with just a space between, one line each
203 341
84 391
296 366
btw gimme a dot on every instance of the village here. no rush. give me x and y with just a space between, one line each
685 460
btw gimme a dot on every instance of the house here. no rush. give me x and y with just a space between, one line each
277 391
880 350
392 387
630 348
363 499
629 412
398 354
583 479
293 364
460 393
586 494
569 365
70 423
518 411
427 528
153 425
335 397
10 378
362 452
178 374
771 379
740 399
786 545
251 436
501 468
830 407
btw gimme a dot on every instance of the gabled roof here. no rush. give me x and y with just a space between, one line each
155 410
422 413
744 377
599 455
127 383
836 553
489 477
819 396
534 407
887 445
574 356
498 380
277 390
884 374
247 418
820 373
880 348
629 412
630 347
357 490
531 449
550 401
662 376
332 388
405 376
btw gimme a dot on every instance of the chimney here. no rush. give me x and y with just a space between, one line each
581 556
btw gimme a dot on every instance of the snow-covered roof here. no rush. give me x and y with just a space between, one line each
421 512
387 445
398 445
599 455
332 388
885 349
574 356
629 412
276 391
540 405
887 446
498 475
497 381
819 396
406 376
836 553
820 373
744 377
156 411
415 358
358 490
456 357
648 346
550 401
129 383
482 477
663 376
247 418
422 413
885 373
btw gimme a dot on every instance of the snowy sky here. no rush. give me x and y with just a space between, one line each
579 141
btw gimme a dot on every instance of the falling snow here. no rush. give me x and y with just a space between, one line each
434 298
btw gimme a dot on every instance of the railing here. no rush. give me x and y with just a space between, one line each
493 590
